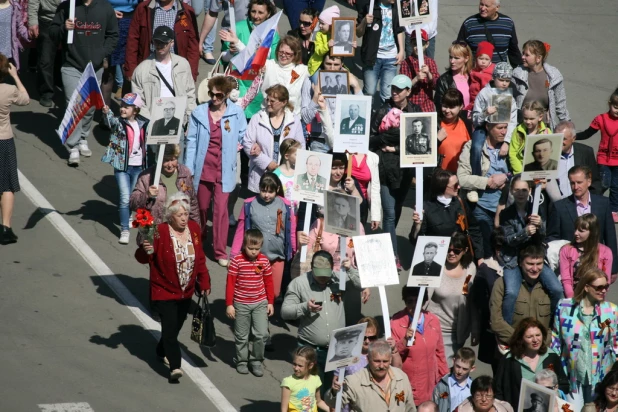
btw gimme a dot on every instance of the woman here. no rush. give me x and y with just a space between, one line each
445 212
537 80
12 30
585 337
307 21
455 129
607 393
585 252
394 181
424 362
451 302
365 172
529 354
174 178
177 269
9 181
482 398
457 75
215 130
266 130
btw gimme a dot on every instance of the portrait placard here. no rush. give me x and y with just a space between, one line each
345 347
502 101
341 213
311 176
167 115
542 156
413 12
343 33
534 397
352 117
333 83
428 261
418 139
375 260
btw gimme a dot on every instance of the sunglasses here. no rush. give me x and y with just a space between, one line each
599 288
219 96
454 187
455 250
305 23
371 338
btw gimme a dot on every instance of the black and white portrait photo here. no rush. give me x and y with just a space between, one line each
333 83
535 398
341 213
345 347
352 117
343 32
502 102
408 12
428 261
166 124
311 176
542 156
356 120
418 139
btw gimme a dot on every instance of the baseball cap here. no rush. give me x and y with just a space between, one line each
320 266
401 81
163 34
132 99
424 35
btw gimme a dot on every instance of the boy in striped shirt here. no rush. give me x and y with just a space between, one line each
249 298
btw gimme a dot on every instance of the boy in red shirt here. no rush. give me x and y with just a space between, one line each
482 72
249 297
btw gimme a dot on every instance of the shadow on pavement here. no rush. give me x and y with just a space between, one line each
43 126
107 188
139 287
100 212
37 216
259 406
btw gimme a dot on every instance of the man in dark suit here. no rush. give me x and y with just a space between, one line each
428 267
561 224
353 124
168 126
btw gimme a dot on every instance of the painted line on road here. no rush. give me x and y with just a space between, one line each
66 407
130 301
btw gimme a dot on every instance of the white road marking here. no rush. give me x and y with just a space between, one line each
131 302
66 407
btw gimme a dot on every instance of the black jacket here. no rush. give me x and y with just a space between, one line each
420 269
371 38
481 293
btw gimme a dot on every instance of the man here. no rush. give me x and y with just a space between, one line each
341 217
428 267
168 126
340 88
343 45
40 15
494 27
417 142
364 389
345 342
178 17
354 124
561 222
328 87
537 403
494 175
311 180
95 34
541 151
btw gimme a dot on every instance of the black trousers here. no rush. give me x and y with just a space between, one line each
47 49
173 314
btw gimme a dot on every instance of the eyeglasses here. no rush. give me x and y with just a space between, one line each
219 96
461 43
272 101
169 109
599 288
483 396
286 54
611 390
455 250
370 338
305 23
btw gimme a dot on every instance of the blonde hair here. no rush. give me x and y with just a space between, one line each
585 279
171 150
458 49
534 106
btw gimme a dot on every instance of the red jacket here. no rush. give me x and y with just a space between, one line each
478 80
139 38
164 284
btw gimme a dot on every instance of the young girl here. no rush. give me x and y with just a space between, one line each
585 252
301 391
424 78
533 113
323 42
126 152
285 171
455 129
271 213
249 298
607 157
482 72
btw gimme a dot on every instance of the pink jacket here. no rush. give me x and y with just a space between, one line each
425 361
478 80
330 243
568 257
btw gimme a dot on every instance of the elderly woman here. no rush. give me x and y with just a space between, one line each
549 379
215 130
9 181
529 354
424 362
266 130
177 269
457 74
482 398
606 399
537 80
584 334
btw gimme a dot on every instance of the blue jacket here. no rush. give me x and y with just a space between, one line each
121 141
233 127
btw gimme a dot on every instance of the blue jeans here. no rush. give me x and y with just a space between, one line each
383 71
392 203
609 179
485 219
119 76
478 138
512 284
209 42
126 182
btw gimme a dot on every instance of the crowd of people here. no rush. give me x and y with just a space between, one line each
528 287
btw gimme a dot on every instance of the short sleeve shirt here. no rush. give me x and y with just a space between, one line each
387 48
302 393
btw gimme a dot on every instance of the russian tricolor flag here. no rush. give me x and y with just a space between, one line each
249 61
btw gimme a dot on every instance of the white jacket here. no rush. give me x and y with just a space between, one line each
277 74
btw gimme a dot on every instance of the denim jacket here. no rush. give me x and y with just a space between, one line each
121 141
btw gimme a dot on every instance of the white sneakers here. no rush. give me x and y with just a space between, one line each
223 262
83 148
124 237
80 149
74 156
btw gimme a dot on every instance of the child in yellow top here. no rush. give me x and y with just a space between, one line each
322 38
533 113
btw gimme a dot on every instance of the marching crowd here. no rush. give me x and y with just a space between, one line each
527 287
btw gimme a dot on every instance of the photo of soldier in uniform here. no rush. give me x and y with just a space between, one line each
333 83
428 260
343 32
311 176
542 156
354 123
418 136
342 213
345 347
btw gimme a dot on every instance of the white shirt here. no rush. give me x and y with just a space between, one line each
135 157
166 71
566 163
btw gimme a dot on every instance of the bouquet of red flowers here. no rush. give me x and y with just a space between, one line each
144 222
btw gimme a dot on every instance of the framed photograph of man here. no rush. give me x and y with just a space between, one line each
428 261
352 117
375 272
333 83
535 398
418 139
542 156
345 347
311 176
165 125
413 12
502 102
343 33
341 213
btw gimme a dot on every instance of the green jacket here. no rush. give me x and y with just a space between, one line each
518 144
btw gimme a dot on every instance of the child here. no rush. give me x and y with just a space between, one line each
271 213
607 157
463 365
482 72
322 41
533 113
126 152
301 391
423 79
249 298
480 115
285 172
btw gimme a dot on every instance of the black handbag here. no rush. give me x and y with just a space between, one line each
203 324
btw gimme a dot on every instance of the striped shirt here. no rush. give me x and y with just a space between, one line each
474 30
249 282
